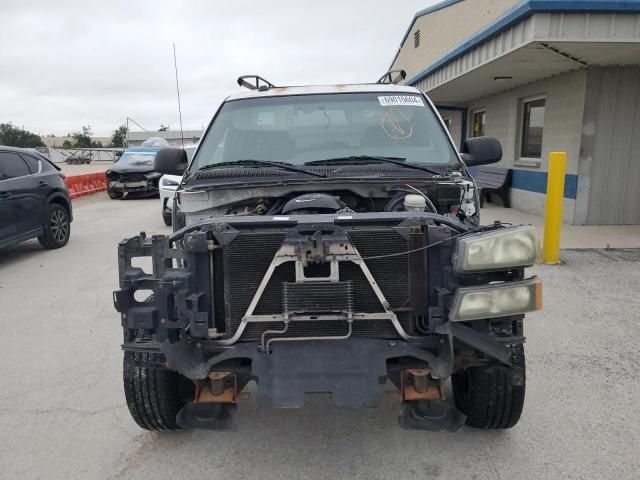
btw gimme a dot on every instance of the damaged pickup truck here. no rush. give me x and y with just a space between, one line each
327 240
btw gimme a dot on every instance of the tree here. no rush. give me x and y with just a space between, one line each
16 137
82 140
119 136
163 128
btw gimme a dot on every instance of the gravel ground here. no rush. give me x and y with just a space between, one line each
63 415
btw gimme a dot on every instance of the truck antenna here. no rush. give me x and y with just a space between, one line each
175 64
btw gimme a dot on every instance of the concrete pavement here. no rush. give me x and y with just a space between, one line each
63 413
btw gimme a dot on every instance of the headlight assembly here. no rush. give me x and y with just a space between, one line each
497 250
496 300
167 182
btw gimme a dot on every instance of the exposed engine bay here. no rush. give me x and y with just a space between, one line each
453 198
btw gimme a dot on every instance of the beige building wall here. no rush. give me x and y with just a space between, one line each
444 29
563 125
56 142
564 110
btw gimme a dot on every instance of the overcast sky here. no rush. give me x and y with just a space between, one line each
65 64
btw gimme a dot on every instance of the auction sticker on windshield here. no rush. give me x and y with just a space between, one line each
396 100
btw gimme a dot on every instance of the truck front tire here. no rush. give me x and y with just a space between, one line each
493 397
154 393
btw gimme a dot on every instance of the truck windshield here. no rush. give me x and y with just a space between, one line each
303 128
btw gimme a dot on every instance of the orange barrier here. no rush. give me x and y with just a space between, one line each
86 184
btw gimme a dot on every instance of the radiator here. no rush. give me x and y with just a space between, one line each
246 259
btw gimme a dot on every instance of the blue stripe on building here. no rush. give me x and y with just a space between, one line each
534 181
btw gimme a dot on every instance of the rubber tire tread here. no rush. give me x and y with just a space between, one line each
488 397
152 392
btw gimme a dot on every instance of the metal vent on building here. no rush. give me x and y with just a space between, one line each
416 39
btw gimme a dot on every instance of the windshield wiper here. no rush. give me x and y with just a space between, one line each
261 163
367 158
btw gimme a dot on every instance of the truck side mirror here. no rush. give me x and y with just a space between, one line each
481 151
171 161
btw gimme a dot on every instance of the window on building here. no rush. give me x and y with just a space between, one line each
416 39
532 128
479 123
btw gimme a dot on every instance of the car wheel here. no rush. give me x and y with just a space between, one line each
493 397
57 227
154 393
166 216
113 194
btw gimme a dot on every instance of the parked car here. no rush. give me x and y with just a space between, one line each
34 201
328 241
133 173
168 186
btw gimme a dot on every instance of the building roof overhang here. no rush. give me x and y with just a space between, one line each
537 39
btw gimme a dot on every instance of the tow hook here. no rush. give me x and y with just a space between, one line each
424 406
213 405
418 384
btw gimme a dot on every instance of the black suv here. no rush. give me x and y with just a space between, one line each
34 201
327 239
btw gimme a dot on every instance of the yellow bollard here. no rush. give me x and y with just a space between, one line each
553 215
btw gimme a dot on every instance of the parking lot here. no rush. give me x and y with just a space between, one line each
63 413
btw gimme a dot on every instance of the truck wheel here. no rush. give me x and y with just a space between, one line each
57 227
166 216
492 397
154 393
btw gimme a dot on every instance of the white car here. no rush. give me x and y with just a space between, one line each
168 186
